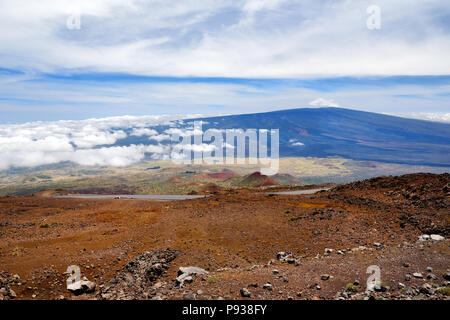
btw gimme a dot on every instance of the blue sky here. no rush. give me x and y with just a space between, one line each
133 57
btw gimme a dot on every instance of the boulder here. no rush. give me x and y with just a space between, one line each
426 288
87 286
80 287
245 293
446 276
268 286
436 237
431 276
424 237
186 274
284 256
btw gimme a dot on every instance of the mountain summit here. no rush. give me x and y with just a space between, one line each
358 135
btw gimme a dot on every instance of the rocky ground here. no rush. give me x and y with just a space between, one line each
241 244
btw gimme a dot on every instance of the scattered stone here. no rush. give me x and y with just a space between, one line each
271 261
283 256
429 269
417 275
188 279
401 285
12 294
186 274
188 296
138 276
407 277
268 286
409 291
426 288
80 287
406 265
290 260
446 276
245 293
275 271
436 237
379 287
431 276
325 277
424 237
88 286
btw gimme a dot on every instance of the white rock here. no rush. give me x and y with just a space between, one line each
377 244
195 271
436 237
267 286
87 286
75 287
185 274
424 237
245 293
79 287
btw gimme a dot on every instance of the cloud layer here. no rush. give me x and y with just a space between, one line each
242 38
88 142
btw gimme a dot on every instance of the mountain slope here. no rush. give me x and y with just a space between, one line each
348 133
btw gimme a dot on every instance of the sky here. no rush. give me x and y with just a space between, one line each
74 60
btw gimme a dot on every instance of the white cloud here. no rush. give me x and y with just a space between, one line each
298 144
209 38
139 132
160 137
320 102
87 142
437 117
114 156
184 132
